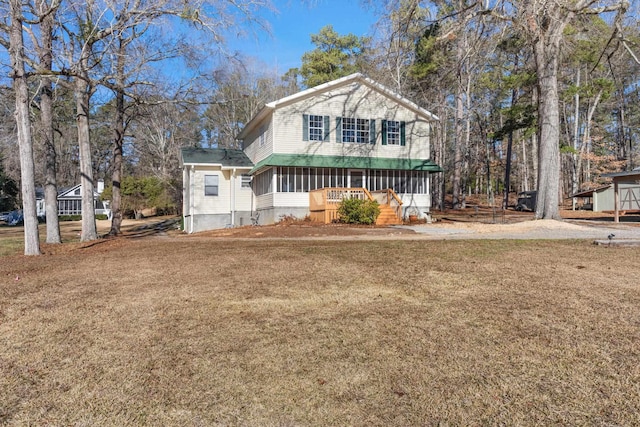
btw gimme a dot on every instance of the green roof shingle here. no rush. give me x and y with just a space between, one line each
215 156
317 161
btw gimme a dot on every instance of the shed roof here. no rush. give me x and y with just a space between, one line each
224 157
317 161
589 193
622 176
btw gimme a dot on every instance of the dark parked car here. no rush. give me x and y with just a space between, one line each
527 201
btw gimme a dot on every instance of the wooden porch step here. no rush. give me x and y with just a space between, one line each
387 216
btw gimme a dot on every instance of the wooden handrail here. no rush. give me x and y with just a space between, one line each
390 195
395 196
341 192
325 208
337 194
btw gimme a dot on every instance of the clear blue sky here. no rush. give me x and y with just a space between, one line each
293 25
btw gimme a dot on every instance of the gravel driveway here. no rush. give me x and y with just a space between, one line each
541 229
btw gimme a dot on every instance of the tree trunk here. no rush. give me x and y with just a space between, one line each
467 135
575 174
525 166
586 137
47 133
507 169
547 49
459 113
625 152
118 140
23 123
83 96
440 155
534 147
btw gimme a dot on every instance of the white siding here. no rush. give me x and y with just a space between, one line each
419 202
186 193
355 100
282 199
211 204
264 201
244 196
252 144
291 199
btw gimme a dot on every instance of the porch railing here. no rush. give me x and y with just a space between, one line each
390 198
324 202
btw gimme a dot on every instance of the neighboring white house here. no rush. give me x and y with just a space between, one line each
70 201
348 133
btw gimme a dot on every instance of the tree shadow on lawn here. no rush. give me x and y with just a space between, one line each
151 227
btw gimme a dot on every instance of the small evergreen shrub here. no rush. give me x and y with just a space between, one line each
358 211
69 217
101 216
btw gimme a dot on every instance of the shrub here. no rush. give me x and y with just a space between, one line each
101 216
140 193
357 211
69 217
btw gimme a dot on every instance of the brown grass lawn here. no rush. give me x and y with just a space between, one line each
210 331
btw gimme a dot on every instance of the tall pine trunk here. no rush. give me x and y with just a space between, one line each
458 195
575 174
23 122
507 169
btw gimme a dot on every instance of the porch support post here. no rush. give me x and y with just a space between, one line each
233 197
192 173
616 200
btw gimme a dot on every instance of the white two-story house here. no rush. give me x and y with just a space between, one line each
350 133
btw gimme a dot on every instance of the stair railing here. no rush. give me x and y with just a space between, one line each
390 198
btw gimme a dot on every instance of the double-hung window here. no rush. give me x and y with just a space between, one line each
348 129
393 132
211 185
315 127
362 131
351 129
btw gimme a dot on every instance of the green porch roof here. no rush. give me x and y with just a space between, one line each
216 156
352 162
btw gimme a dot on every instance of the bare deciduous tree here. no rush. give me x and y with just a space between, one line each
27 170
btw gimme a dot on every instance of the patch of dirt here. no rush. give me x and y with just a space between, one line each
305 229
477 220
515 227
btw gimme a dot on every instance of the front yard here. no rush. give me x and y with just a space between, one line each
208 331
